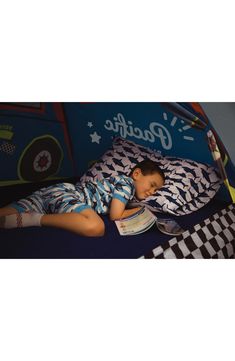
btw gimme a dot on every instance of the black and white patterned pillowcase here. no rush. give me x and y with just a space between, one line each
189 185
121 159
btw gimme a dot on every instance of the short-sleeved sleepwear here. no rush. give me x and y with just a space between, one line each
66 197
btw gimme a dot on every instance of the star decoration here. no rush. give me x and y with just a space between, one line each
90 124
95 138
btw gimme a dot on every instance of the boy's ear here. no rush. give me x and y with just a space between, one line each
136 173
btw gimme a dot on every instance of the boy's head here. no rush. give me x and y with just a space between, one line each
148 178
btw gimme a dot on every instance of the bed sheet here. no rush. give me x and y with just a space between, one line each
51 243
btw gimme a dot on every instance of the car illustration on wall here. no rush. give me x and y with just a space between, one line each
34 143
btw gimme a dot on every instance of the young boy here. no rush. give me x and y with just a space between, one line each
77 207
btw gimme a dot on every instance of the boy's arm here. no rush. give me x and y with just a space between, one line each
117 210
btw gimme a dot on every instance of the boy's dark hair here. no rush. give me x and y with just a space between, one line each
147 167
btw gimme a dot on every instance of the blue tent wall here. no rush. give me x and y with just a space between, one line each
93 125
154 125
85 131
27 126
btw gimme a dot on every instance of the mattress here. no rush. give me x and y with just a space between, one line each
51 243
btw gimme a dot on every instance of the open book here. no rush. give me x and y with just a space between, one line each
144 219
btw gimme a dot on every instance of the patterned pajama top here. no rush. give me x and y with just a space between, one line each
66 197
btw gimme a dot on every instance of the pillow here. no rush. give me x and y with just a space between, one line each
189 185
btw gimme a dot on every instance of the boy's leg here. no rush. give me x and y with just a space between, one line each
86 223
6 211
25 212
11 218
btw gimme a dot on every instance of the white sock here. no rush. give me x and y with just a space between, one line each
19 220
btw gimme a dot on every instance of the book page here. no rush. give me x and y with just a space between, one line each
137 223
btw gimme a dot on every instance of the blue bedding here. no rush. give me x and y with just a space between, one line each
49 243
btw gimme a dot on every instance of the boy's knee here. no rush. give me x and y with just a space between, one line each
96 229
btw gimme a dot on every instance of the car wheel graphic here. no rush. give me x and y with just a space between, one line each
40 159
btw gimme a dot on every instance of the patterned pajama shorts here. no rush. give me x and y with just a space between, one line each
59 198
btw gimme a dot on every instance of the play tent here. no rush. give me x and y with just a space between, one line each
34 143
50 142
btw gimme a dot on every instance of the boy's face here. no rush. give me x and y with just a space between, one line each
146 185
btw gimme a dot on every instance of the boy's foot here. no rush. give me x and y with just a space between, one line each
19 220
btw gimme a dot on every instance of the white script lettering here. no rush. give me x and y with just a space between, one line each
125 128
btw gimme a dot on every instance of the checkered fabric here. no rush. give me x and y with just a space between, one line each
8 148
212 238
